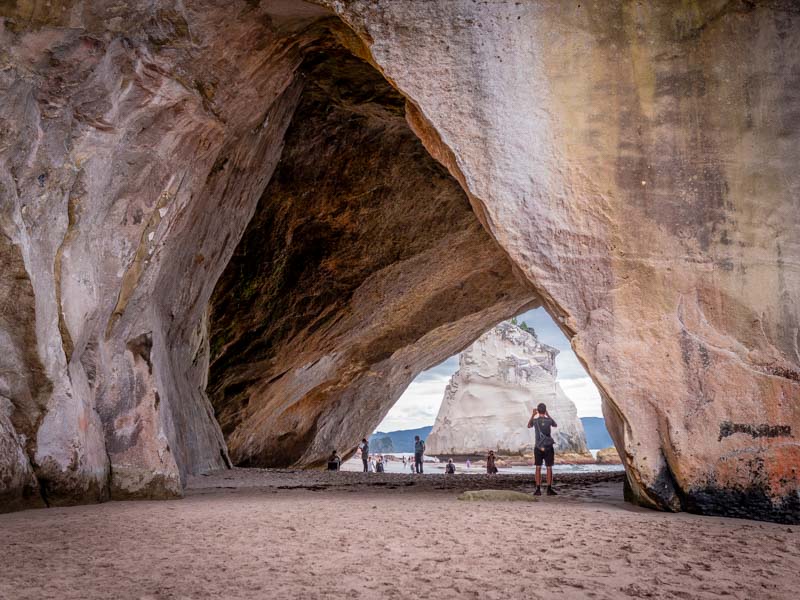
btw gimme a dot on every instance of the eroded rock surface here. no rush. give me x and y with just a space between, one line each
363 265
136 141
638 163
501 378
635 162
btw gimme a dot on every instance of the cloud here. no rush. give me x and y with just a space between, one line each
444 369
569 367
419 404
583 392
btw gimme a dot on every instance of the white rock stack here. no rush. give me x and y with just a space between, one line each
501 378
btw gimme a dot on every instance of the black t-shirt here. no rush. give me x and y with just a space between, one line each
542 425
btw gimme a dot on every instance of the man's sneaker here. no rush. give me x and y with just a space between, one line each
551 492
538 492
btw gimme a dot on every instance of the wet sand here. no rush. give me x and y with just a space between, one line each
258 534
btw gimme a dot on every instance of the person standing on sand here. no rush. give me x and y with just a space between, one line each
450 468
364 447
469 464
491 467
544 448
419 452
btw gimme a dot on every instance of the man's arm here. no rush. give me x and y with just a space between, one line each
552 421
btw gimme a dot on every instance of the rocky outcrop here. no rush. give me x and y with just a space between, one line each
636 161
500 380
363 265
136 141
608 456
634 164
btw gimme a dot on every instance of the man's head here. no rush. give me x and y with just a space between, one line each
416 438
364 440
541 409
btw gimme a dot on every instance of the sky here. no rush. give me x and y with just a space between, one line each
419 404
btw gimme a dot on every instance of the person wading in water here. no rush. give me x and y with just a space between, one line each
544 450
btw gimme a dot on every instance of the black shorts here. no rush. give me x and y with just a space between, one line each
547 456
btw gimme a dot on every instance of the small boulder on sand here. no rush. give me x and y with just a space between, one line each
496 496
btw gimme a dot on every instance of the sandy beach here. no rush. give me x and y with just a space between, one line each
261 534
478 467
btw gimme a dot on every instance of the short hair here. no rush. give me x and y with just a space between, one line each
416 437
541 408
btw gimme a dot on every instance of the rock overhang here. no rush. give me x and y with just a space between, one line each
527 125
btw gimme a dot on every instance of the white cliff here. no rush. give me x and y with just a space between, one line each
488 402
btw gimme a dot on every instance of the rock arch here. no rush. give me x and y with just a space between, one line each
633 173
363 265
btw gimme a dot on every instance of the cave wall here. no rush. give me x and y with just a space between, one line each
638 162
136 141
635 162
363 265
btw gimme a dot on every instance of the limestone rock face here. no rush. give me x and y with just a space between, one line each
135 141
632 165
637 161
501 378
136 144
363 265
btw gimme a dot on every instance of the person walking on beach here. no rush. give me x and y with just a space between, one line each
491 467
419 452
544 449
364 447
404 463
450 468
469 465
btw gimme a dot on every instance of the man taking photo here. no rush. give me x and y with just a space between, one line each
544 448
